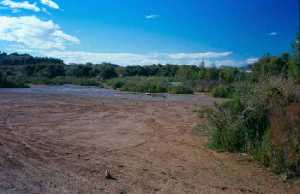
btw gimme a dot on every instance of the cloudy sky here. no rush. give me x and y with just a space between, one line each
130 32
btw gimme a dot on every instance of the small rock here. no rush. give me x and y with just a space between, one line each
284 176
108 175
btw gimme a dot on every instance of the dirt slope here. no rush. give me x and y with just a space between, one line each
64 144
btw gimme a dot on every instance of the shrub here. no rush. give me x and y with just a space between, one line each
85 82
149 84
180 90
6 82
140 84
12 84
262 119
222 91
118 84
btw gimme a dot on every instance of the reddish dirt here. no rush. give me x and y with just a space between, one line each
64 144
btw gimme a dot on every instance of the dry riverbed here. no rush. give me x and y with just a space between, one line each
64 142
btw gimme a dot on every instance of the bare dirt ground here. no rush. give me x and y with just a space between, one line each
65 143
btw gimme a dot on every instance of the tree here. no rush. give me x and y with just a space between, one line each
271 66
26 59
108 72
187 72
167 70
82 71
211 73
294 63
55 71
228 74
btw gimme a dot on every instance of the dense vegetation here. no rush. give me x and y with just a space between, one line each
25 59
175 79
150 85
10 83
262 117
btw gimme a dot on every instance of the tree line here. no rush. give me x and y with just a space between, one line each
26 59
26 66
49 67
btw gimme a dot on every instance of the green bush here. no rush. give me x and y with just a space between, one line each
257 120
12 84
236 128
222 91
140 84
180 90
6 82
85 82
118 84
149 84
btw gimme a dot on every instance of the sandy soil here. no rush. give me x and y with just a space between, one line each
65 143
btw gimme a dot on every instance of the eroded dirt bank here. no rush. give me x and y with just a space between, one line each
64 144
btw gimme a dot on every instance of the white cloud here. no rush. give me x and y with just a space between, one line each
151 16
228 62
34 33
273 34
20 5
45 11
144 59
200 55
50 3
252 60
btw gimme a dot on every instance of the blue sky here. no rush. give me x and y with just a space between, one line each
128 32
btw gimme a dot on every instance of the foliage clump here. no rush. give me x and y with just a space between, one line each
223 91
257 120
149 85
180 90
6 82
